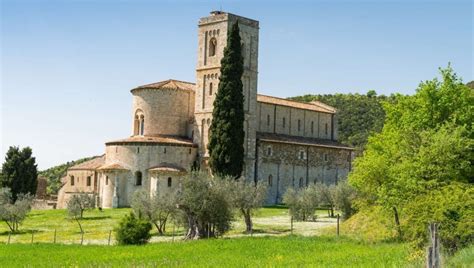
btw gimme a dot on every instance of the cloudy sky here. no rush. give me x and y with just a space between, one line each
67 67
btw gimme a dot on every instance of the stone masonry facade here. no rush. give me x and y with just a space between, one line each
287 143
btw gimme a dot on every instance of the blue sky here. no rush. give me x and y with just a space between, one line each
67 66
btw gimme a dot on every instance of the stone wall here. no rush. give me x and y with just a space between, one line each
138 158
80 185
166 111
291 165
286 120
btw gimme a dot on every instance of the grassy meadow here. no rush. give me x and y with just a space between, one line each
237 252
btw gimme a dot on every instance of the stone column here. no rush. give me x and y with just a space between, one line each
115 199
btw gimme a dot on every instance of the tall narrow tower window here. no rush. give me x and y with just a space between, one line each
142 125
210 89
212 47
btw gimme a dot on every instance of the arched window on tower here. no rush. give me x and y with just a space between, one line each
210 89
312 127
299 125
136 125
170 181
326 127
142 125
212 47
138 178
72 180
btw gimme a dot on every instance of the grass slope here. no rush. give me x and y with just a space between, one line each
237 252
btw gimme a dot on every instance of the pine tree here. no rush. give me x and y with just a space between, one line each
226 142
20 172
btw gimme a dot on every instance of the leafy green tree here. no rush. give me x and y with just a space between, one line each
344 196
133 230
156 209
14 212
226 150
426 143
19 172
302 203
247 198
326 195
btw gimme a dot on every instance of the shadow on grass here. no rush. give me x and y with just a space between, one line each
96 218
268 231
20 232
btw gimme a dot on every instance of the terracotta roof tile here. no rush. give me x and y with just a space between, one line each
113 166
173 140
90 164
313 106
167 167
168 84
280 138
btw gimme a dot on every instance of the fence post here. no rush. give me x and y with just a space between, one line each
110 234
337 224
54 240
432 254
291 220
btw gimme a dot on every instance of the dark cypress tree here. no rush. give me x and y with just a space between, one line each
19 171
226 142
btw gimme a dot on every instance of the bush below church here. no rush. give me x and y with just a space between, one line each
133 231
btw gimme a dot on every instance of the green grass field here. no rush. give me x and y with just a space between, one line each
314 244
236 252
97 225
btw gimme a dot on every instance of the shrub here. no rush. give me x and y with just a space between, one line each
344 196
133 231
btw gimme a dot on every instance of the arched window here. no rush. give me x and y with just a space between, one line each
138 178
268 119
269 151
301 182
212 47
106 180
270 180
326 126
72 180
210 89
170 181
312 127
299 125
142 125
284 122
88 181
138 123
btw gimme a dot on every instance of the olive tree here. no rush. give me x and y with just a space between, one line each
78 204
325 194
14 212
247 197
206 204
156 209
302 203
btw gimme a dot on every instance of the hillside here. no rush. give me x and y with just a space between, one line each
54 174
358 115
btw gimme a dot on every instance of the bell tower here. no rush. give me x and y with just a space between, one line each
212 39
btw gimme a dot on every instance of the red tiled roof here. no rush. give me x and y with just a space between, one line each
113 166
313 106
166 167
172 140
90 164
168 84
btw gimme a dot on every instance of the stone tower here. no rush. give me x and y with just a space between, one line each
212 39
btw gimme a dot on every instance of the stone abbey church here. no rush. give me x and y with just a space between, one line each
287 143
